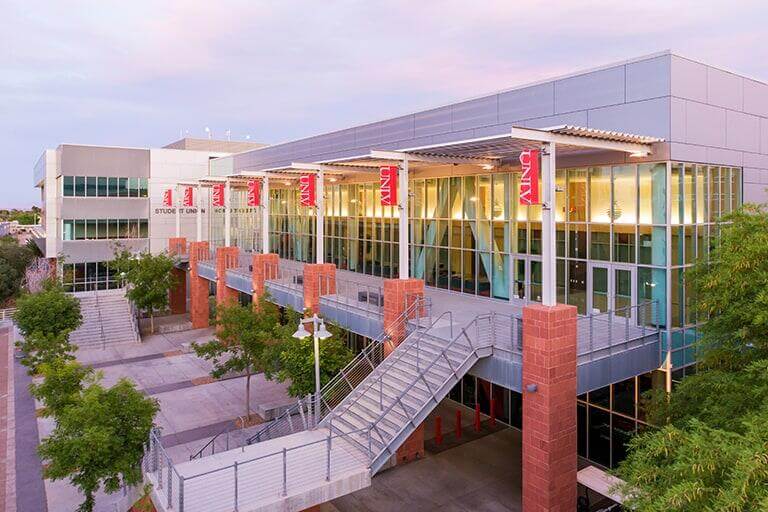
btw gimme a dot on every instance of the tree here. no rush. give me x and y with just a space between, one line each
14 259
10 280
45 320
62 384
711 450
731 289
99 439
242 336
150 277
294 360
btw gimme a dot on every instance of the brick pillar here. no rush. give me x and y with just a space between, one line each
177 246
264 268
399 294
549 411
314 286
226 257
198 287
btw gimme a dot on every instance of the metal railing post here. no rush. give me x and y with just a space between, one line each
627 314
181 493
160 473
285 472
328 460
170 482
370 451
236 497
381 391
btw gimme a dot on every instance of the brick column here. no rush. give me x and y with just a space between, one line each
549 410
178 294
264 267
314 286
226 257
177 246
198 287
399 294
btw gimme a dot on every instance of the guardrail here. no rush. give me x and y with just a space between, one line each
602 334
6 315
287 276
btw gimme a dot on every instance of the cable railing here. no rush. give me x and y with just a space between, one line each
288 276
368 297
603 334
341 385
258 479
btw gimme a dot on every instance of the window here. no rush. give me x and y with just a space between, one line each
79 186
122 187
143 187
69 186
113 187
102 187
91 186
133 186
104 229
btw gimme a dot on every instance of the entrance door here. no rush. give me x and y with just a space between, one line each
612 288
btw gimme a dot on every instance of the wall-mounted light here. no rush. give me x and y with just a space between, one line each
531 388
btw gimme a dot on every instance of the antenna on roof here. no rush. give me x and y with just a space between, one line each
208 131
228 132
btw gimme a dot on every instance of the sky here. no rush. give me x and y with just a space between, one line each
143 73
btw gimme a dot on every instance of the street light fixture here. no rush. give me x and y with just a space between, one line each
319 332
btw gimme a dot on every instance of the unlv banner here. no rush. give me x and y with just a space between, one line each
217 193
307 189
187 197
529 180
167 197
388 179
254 193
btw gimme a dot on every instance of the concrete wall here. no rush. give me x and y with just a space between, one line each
719 117
632 96
77 160
168 167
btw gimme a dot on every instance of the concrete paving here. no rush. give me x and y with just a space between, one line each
482 475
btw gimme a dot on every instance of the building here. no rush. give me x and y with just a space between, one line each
95 196
639 161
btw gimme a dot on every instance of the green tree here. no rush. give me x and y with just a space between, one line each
150 277
711 450
10 280
243 334
63 383
731 289
45 348
50 312
99 439
294 360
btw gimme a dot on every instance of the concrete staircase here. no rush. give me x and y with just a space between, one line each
107 319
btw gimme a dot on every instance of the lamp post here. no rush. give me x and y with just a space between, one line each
319 332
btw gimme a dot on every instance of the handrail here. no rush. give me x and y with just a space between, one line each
101 324
369 354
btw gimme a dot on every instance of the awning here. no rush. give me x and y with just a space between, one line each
601 482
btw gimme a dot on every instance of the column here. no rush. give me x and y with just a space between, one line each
198 287
319 279
548 237
399 295
226 257
264 268
403 249
227 215
199 214
320 220
177 205
178 294
549 408
265 215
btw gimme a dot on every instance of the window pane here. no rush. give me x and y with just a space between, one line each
600 242
91 186
102 191
624 195
69 230
577 285
599 436
113 187
80 186
624 243
69 186
652 248
133 185
79 229
122 187
91 231
653 193
577 195
701 194
143 187
600 194
102 229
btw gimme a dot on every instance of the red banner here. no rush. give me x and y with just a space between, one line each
167 197
308 190
217 194
188 201
254 193
529 180
388 180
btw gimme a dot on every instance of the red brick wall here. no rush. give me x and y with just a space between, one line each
226 257
264 267
198 287
549 413
314 287
177 246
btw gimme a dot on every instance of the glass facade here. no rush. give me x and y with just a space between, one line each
81 277
104 229
104 186
245 223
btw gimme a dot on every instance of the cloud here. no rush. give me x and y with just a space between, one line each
135 73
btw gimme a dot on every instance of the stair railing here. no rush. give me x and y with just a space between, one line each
343 383
421 377
101 324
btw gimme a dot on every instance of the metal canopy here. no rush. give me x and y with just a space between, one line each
492 150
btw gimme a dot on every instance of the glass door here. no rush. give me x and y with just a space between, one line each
612 288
